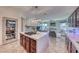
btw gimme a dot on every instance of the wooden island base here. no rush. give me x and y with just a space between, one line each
34 45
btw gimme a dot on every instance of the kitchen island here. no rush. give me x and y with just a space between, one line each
35 43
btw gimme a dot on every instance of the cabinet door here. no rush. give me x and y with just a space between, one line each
69 21
73 19
21 39
33 46
27 44
24 42
77 14
77 17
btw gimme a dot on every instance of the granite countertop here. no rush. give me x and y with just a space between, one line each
36 36
74 37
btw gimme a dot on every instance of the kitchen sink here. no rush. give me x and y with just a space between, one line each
30 33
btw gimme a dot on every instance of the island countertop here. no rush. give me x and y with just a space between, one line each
74 38
37 43
36 36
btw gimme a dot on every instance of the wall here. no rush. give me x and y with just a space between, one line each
0 30
11 13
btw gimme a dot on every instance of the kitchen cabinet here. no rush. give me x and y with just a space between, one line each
77 17
28 44
70 47
21 39
35 42
33 45
73 19
24 42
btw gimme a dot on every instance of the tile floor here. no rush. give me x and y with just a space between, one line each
13 47
57 45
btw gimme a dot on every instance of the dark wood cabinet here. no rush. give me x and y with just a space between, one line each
73 19
21 39
33 45
28 44
69 21
24 42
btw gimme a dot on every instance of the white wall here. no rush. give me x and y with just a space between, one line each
11 13
0 30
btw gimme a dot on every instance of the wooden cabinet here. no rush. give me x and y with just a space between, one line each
24 42
73 19
77 17
21 39
28 44
33 46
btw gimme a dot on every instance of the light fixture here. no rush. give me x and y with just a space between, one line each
36 7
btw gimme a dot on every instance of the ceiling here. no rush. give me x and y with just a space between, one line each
46 12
